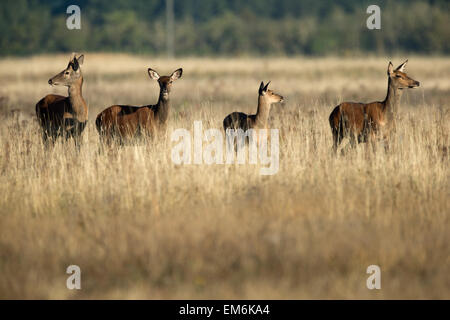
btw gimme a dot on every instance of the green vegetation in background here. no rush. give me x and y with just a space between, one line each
226 27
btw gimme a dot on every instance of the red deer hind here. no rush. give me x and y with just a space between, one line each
123 123
64 116
239 120
363 120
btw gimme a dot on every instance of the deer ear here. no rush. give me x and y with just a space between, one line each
176 74
267 86
261 88
390 68
80 59
153 74
75 64
402 67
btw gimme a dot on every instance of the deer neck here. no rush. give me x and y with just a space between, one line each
162 109
392 100
77 102
262 114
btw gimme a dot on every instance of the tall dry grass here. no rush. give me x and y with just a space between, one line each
141 227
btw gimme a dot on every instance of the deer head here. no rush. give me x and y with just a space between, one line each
269 95
165 82
70 74
399 78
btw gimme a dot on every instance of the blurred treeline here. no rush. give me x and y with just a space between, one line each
227 27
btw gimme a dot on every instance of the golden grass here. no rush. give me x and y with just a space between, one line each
141 227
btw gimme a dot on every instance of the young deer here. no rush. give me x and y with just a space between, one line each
239 120
361 121
129 122
64 116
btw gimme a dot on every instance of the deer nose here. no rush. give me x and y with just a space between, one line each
50 81
417 83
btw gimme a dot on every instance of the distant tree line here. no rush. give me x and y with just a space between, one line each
226 27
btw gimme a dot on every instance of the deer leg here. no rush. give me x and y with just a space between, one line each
104 143
48 133
108 137
47 139
101 144
336 140
335 143
338 134
386 137
78 137
373 141
52 133
353 138
229 140
77 141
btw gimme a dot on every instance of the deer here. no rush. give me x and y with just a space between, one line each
240 120
364 121
124 123
64 116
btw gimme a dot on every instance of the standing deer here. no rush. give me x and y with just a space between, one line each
239 120
361 121
127 123
64 116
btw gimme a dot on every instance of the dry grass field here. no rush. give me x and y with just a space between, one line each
140 226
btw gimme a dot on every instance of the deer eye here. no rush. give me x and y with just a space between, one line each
67 72
397 76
